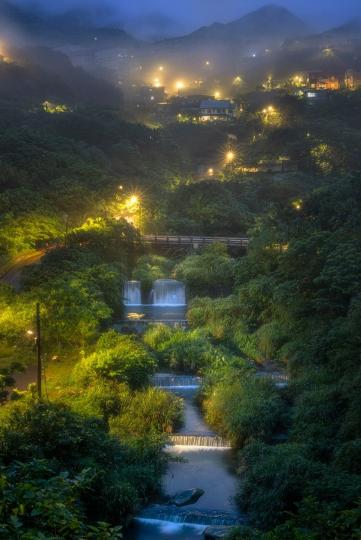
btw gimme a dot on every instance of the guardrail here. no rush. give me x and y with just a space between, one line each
175 240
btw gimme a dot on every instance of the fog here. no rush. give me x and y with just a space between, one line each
158 18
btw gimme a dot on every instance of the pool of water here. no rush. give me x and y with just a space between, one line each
156 313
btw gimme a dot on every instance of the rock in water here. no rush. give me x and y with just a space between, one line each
214 533
183 498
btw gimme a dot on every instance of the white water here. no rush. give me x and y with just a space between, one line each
156 529
169 292
132 293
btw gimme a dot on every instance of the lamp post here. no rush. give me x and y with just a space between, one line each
38 349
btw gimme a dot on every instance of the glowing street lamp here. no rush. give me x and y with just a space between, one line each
230 156
180 85
297 205
217 94
133 200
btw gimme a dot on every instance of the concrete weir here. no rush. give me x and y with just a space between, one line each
204 441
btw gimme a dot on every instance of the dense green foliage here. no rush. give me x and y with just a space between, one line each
296 299
93 454
209 274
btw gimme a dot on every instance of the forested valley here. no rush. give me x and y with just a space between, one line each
79 187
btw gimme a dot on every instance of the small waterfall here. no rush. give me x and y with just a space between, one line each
169 292
132 294
204 441
187 515
176 381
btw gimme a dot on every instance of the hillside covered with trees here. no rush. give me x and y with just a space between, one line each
80 185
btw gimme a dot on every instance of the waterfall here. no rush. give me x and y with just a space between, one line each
204 441
132 294
176 381
188 515
169 292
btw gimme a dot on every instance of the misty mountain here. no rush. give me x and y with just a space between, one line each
73 27
152 26
350 30
269 23
39 74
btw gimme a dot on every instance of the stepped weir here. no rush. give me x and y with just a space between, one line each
190 515
176 381
204 441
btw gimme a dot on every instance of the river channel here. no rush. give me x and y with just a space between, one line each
206 465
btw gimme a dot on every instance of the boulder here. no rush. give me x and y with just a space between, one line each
214 533
183 498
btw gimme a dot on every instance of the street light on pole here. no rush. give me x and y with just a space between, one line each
36 336
38 349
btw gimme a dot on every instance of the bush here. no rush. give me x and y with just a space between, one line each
210 273
244 408
179 349
117 358
39 502
274 482
119 476
148 413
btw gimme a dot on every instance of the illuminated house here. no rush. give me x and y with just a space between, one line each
216 109
352 79
187 105
320 81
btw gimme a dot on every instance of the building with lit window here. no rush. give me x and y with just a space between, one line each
321 81
212 110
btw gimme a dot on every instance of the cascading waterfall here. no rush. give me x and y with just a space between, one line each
132 293
203 441
169 292
173 382
190 515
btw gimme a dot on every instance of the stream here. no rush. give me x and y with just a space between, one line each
206 463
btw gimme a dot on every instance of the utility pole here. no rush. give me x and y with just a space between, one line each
38 348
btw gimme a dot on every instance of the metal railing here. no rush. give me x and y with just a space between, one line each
195 240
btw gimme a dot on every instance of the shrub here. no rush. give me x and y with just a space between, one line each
244 409
117 358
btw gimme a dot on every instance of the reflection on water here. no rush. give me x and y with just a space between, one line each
158 313
208 469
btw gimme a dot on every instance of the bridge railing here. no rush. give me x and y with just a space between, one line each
195 240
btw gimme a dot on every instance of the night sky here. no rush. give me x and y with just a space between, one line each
190 14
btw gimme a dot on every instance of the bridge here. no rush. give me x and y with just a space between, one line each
195 241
